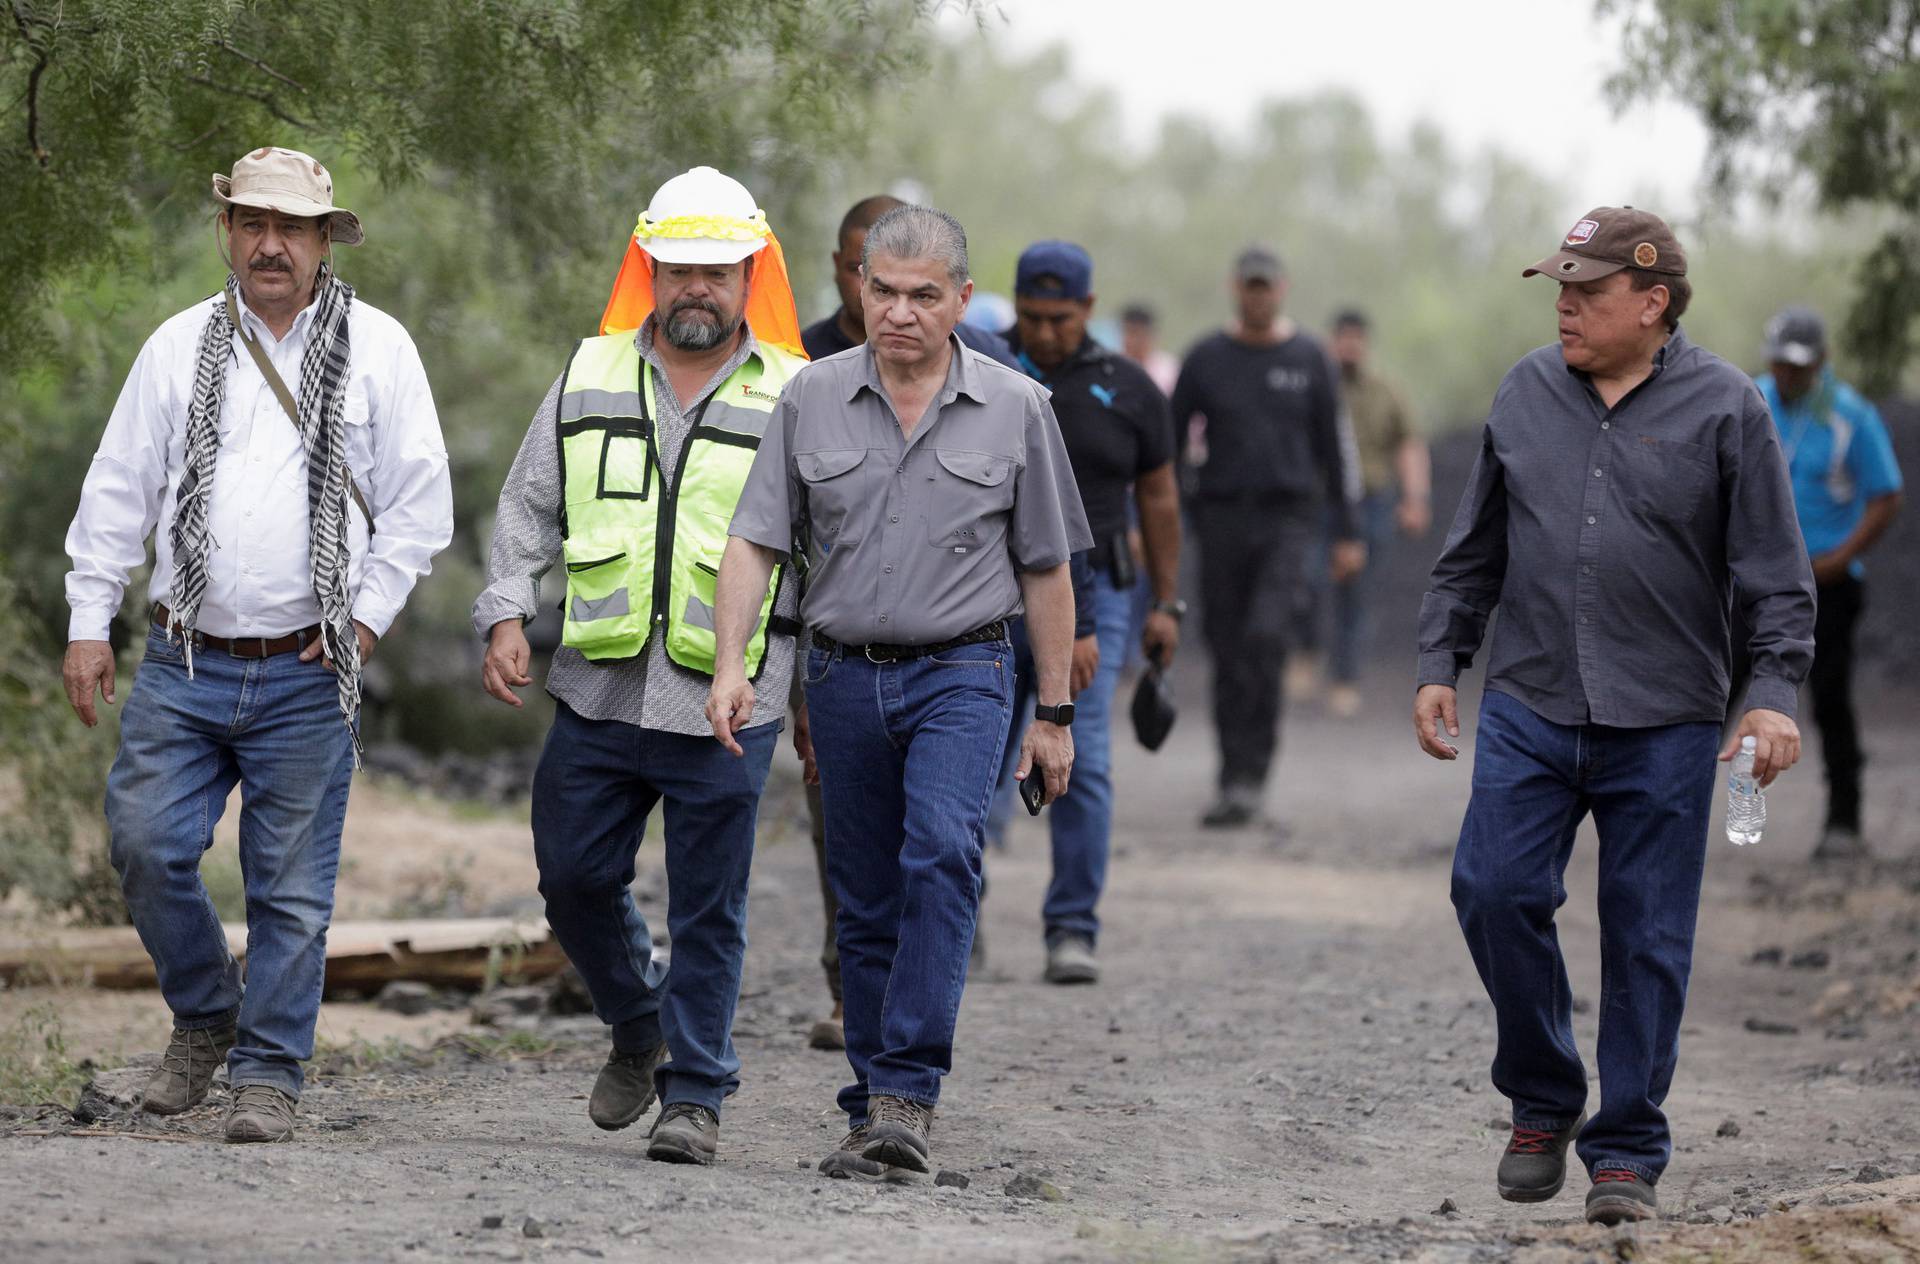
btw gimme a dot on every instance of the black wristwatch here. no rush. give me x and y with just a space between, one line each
1175 607
1061 715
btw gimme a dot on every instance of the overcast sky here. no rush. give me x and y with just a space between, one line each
1524 76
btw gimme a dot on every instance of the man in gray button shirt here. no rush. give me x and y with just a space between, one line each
931 492
1629 485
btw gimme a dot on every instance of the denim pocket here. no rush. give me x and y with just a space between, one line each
160 649
985 654
819 664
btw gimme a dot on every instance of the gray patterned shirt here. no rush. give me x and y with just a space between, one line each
651 690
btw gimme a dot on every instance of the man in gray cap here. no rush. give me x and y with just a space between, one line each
282 437
1846 489
1628 488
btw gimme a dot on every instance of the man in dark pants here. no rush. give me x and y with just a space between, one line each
1120 441
1628 487
1846 488
935 500
1277 442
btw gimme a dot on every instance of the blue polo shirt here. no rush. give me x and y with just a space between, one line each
1840 457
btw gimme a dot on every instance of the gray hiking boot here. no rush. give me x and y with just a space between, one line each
848 1163
1838 843
684 1133
1535 1165
624 1088
1618 1196
260 1112
1070 959
897 1133
186 1069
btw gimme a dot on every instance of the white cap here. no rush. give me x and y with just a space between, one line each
1747 743
702 216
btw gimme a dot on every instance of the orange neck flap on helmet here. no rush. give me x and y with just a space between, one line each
770 308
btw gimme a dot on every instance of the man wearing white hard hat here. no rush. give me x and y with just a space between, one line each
279 443
629 475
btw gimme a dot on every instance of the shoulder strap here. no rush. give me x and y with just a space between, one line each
280 392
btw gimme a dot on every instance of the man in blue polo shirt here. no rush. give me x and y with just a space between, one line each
1846 491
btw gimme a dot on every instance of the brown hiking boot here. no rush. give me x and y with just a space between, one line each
847 1162
897 1132
624 1088
260 1112
684 1133
186 1069
830 1033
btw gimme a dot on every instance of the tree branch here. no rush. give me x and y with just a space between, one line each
265 100
257 64
40 155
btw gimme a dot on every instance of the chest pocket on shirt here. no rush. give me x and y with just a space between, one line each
834 492
968 502
1668 479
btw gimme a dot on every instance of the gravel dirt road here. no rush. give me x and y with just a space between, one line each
1287 1059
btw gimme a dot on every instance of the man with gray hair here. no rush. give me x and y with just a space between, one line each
928 491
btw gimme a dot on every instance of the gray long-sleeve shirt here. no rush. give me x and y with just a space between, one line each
651 690
1612 541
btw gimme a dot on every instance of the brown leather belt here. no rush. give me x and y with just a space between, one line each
244 646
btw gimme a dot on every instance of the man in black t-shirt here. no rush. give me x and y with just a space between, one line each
1277 445
1119 440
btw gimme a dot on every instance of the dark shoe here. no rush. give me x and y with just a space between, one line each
1070 959
848 1163
186 1069
1839 843
1233 809
684 1133
1618 1196
1535 1165
260 1112
624 1088
897 1132
830 1033
977 955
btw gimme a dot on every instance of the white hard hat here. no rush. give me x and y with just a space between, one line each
702 216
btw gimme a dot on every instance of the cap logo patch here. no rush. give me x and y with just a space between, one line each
1569 266
1645 255
1582 233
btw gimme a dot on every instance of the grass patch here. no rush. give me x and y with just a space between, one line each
502 1046
368 1057
34 1066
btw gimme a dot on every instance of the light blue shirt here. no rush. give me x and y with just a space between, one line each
1840 458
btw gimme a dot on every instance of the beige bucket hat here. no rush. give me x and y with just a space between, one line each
292 183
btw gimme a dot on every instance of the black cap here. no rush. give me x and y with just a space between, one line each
1257 263
1797 336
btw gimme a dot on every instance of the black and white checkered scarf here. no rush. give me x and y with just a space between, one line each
321 395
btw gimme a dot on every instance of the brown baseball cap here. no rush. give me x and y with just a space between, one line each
1609 238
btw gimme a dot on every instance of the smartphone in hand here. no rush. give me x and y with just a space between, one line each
1033 791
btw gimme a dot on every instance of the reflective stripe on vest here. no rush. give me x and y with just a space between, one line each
643 549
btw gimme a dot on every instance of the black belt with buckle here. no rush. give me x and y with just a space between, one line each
877 653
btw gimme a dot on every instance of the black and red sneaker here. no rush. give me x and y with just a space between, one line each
1534 1168
1618 1196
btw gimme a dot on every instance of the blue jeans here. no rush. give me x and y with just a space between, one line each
1081 824
597 782
1650 791
1345 606
908 754
271 726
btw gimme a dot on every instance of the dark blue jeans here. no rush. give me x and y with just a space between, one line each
597 782
1650 791
908 756
272 727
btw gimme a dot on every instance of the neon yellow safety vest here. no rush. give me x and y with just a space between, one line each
643 551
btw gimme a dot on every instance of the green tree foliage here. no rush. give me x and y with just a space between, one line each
1834 85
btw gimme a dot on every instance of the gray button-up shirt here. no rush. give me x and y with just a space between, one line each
1611 539
651 690
914 540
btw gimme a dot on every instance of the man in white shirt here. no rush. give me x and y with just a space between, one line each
282 439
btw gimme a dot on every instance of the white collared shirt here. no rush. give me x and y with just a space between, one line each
259 582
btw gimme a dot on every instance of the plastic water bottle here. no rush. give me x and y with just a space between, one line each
1746 805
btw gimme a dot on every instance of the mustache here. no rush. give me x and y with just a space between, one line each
694 305
275 264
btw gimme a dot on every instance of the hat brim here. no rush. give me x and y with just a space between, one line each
1799 354
343 226
1568 266
700 249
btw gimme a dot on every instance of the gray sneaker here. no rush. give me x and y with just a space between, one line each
1534 1168
624 1088
186 1069
260 1112
1618 1196
1236 806
1070 959
848 1163
1840 843
897 1132
684 1133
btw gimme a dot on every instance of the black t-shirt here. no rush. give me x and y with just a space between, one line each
1116 427
825 337
1274 423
